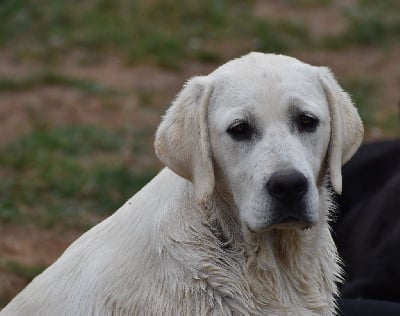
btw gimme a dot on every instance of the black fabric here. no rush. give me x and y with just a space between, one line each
367 230
358 307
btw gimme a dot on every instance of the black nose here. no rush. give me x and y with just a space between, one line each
287 185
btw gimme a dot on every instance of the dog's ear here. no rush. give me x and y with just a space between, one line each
346 127
182 140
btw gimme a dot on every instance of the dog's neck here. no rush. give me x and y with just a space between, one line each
295 264
290 266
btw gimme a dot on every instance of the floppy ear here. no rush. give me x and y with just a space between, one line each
182 140
346 127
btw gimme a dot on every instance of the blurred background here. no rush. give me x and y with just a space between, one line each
83 85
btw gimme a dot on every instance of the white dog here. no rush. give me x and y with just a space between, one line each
237 224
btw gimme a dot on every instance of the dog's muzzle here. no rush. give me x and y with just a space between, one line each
288 188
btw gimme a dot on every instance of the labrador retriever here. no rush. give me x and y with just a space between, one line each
237 222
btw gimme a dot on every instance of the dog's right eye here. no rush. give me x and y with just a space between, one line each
307 122
240 130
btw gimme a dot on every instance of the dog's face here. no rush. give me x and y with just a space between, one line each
269 128
264 128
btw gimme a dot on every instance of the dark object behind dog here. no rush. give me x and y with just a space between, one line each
367 231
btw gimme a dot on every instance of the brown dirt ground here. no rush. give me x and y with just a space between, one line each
30 246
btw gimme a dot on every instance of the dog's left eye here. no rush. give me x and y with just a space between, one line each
240 130
307 122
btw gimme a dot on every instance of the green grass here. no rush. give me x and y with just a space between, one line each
278 36
25 272
4 300
309 3
390 123
55 79
368 23
156 31
170 32
163 32
364 92
66 175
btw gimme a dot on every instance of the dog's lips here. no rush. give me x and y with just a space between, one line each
293 225
291 222
301 225
292 218
289 219
286 224
279 218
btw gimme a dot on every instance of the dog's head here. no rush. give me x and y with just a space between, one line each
267 129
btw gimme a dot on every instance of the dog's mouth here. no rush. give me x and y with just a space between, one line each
289 219
291 222
286 223
292 217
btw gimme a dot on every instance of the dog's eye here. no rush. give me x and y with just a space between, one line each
240 130
307 122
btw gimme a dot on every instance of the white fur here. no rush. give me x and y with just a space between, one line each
196 240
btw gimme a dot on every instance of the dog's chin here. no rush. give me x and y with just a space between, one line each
301 225
289 223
